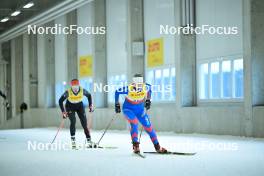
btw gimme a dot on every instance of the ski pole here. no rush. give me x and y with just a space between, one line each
107 127
90 119
146 112
61 126
140 133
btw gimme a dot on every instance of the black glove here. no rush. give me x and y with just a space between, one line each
147 104
91 108
117 108
7 105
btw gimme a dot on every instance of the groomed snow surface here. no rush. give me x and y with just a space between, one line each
22 154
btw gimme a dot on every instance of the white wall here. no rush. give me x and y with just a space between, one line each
258 121
222 13
61 71
85 43
158 13
117 56
41 71
13 78
26 73
52 117
116 28
208 120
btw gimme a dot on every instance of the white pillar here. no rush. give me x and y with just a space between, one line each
41 71
2 115
1 51
60 59
85 42
26 81
13 77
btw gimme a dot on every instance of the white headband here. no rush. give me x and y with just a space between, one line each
138 79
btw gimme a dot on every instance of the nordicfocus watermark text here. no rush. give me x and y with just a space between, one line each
179 146
198 30
205 146
71 29
99 87
56 146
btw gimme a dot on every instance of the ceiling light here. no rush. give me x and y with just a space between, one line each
4 19
15 13
28 5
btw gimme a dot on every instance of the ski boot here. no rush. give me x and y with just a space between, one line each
73 143
136 147
90 144
160 149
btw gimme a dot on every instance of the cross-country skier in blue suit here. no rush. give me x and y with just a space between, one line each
138 95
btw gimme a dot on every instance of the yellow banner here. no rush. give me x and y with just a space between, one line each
155 53
86 66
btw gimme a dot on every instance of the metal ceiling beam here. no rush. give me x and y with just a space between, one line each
47 16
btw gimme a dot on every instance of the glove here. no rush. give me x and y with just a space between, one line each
91 108
147 104
117 108
64 115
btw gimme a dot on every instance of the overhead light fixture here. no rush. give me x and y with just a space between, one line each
28 5
4 20
15 13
